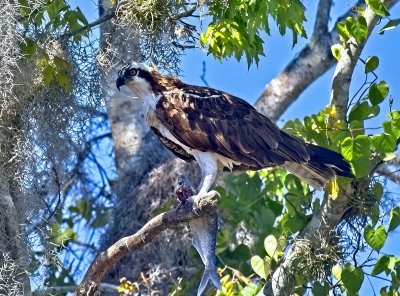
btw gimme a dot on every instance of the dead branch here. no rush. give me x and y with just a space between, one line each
125 246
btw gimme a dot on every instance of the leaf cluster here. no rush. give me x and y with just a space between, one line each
237 26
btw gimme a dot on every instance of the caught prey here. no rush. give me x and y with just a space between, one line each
204 233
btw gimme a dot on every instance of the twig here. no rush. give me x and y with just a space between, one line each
97 22
125 246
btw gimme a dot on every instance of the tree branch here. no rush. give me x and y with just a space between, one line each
109 15
387 173
125 246
332 210
313 61
112 13
322 18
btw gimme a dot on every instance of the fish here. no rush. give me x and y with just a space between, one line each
204 236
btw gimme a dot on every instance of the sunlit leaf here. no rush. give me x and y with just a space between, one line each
375 238
378 7
378 92
385 263
355 148
384 143
260 266
371 64
273 247
394 219
352 277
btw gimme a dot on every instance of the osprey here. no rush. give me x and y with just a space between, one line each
223 132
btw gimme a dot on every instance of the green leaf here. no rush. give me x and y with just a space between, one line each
355 148
385 263
28 48
361 166
336 50
273 247
343 32
292 224
371 64
378 190
357 128
61 237
375 238
337 272
251 290
362 111
63 79
378 7
260 266
394 219
378 92
374 215
352 277
390 25
319 289
48 73
357 28
384 143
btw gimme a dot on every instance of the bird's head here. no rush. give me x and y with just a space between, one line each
141 78
136 76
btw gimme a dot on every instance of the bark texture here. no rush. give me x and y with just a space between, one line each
14 278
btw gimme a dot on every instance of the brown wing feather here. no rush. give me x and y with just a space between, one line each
209 120
174 148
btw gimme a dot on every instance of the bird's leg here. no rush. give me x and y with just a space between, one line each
209 171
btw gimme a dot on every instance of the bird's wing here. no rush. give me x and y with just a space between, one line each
210 120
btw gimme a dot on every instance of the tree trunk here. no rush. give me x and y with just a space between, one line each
14 278
146 177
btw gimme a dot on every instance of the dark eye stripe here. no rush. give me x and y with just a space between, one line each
145 75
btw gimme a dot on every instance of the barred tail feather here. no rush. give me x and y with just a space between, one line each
322 167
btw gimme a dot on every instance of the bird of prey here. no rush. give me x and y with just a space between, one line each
223 132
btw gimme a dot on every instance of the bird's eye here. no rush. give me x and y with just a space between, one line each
133 72
180 183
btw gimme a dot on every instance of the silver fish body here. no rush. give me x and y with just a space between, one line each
204 237
204 232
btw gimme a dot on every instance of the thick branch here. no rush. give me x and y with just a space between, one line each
313 61
332 210
125 246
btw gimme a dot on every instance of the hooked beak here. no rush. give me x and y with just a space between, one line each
120 82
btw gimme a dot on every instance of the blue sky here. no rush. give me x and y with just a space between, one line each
235 78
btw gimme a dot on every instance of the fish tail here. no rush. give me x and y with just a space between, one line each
209 275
